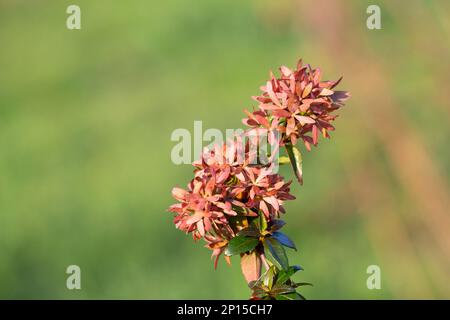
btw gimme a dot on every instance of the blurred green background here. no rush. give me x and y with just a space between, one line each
85 123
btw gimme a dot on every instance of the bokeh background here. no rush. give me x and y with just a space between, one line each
85 124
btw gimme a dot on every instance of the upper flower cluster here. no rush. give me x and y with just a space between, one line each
296 104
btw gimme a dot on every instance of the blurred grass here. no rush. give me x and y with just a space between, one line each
85 124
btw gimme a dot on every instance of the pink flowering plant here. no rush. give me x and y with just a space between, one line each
236 199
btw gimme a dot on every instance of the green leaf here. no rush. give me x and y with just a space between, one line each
296 160
239 210
251 231
284 239
277 225
300 284
275 253
262 222
268 278
281 289
290 296
259 293
284 275
300 297
240 244
283 160
253 284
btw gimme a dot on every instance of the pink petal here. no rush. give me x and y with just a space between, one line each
201 228
179 194
269 107
207 224
264 208
271 94
209 188
273 202
307 90
306 104
326 92
262 120
336 83
315 134
194 218
316 77
290 126
224 174
281 113
285 71
303 120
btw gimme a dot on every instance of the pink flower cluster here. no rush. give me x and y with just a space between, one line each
234 201
296 104
225 189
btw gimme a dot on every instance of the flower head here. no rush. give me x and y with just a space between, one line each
235 199
298 104
225 190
